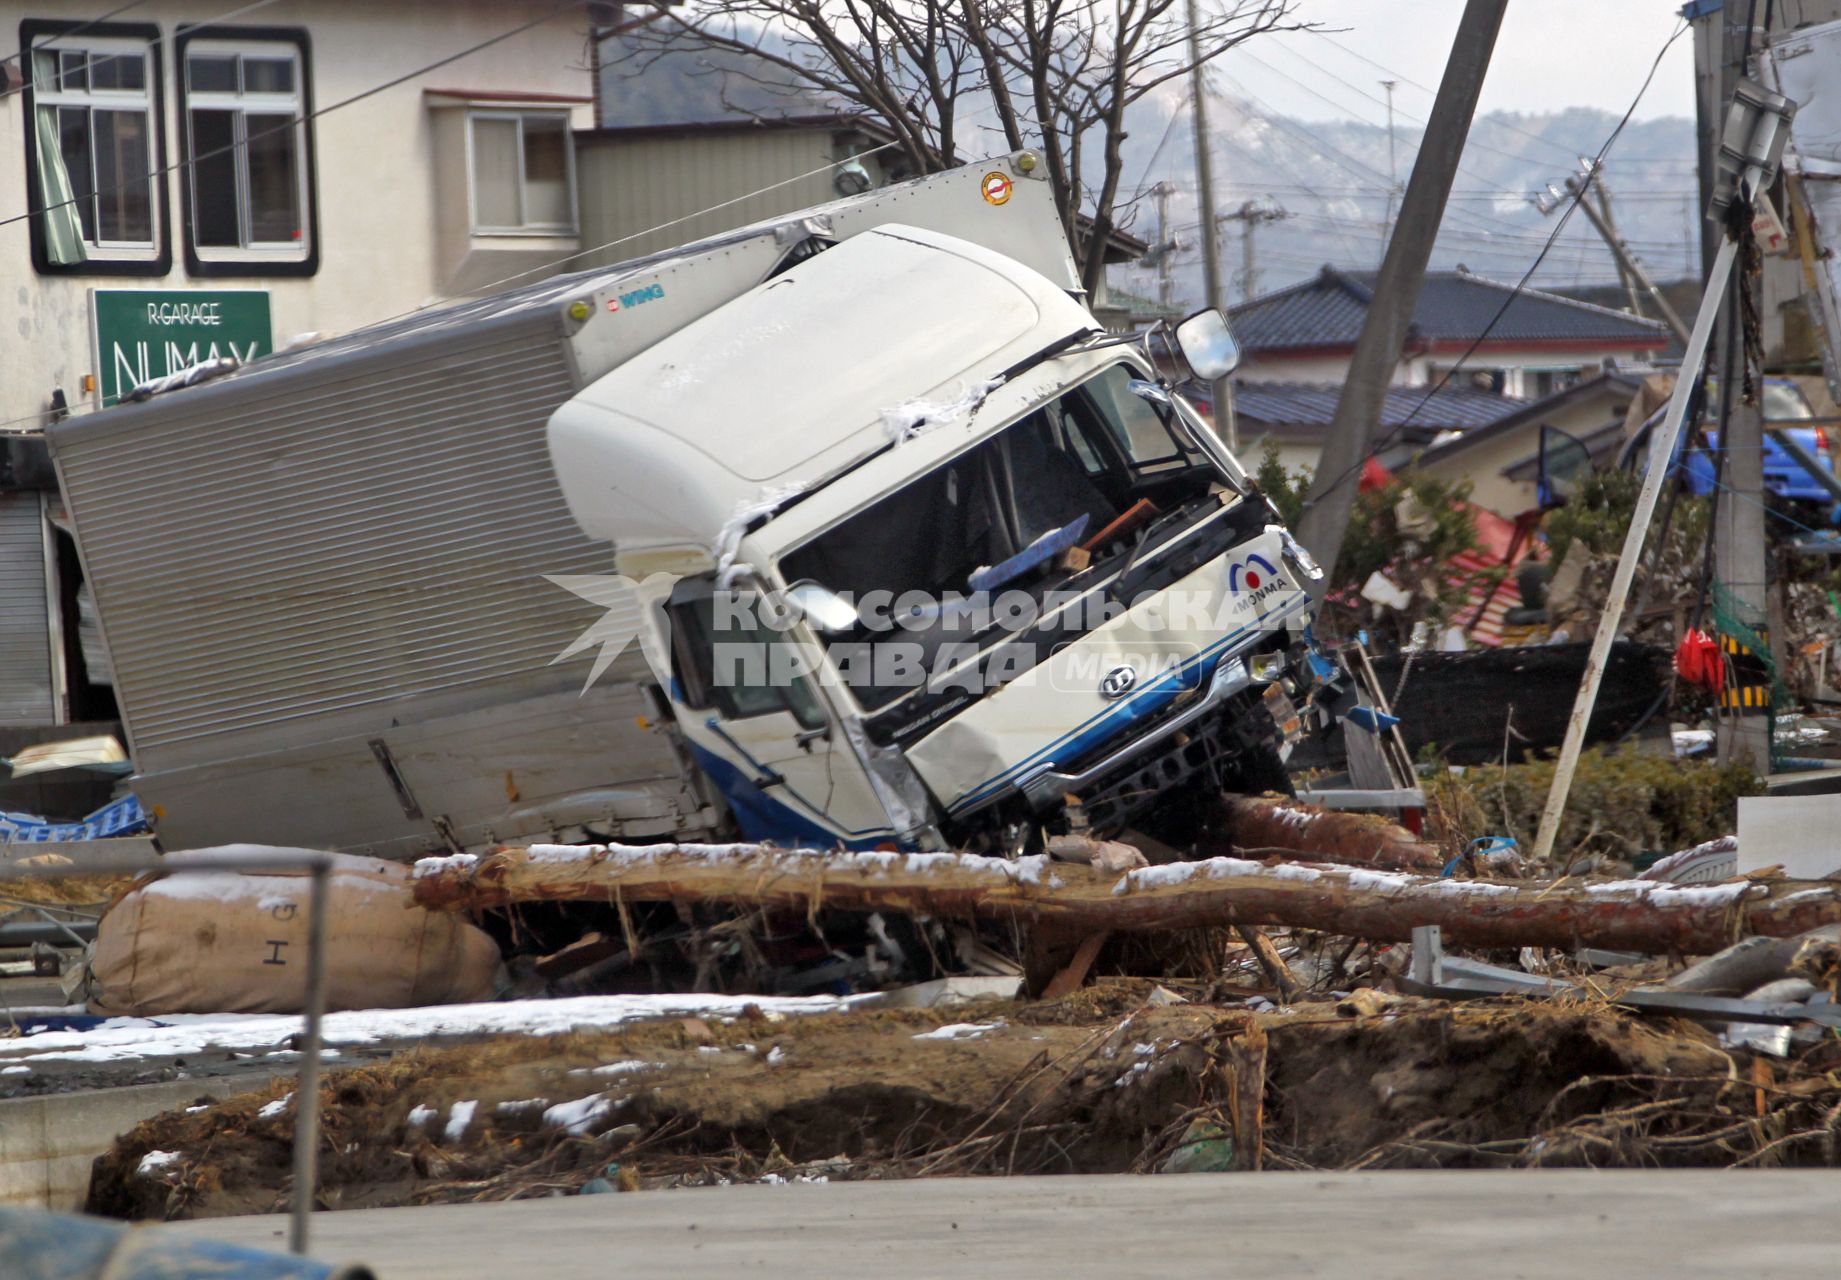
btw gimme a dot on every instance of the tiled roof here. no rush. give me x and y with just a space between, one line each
1450 408
1454 306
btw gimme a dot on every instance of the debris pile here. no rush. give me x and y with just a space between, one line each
1123 1076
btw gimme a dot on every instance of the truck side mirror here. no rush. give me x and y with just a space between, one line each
822 607
1208 347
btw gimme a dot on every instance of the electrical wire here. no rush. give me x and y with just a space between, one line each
544 267
1604 150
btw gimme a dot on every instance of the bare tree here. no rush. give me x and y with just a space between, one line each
942 76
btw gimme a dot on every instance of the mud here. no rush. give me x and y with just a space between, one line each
1104 1081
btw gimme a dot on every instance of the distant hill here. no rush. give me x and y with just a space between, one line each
1331 178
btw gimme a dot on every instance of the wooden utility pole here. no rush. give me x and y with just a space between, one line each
1222 392
1611 238
1396 289
1628 267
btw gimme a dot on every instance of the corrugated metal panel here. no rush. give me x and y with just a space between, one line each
629 185
375 534
25 645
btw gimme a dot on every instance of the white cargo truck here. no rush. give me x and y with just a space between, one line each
910 553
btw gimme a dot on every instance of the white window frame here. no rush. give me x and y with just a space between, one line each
552 230
100 250
244 104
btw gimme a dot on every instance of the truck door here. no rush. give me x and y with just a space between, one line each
764 733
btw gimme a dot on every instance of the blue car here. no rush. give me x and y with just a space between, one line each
1784 406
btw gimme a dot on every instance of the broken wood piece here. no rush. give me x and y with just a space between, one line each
1627 915
1277 972
1247 1106
1264 826
1074 973
589 949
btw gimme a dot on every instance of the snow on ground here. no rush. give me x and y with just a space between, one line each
459 1117
580 1115
121 1039
958 1031
270 1110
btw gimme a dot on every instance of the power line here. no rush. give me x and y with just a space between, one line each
1495 123
1604 150
559 261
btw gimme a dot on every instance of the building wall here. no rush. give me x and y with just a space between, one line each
1520 363
1483 463
632 184
373 185
376 193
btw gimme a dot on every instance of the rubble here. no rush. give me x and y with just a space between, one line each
1105 1080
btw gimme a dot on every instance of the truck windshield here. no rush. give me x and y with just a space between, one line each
1076 481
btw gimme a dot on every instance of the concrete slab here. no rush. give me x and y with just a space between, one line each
1563 1225
48 1142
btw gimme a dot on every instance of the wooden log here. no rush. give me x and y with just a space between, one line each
1263 826
1629 915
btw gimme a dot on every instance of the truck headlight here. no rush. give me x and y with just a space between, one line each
1301 560
1266 667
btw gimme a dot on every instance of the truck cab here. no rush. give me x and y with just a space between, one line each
939 563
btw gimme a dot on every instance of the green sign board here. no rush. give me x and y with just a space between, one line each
150 333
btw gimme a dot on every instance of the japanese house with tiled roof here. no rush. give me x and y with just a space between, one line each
1531 343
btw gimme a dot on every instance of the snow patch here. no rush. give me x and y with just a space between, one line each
154 1161
270 1110
459 1118
958 1031
190 1034
579 1116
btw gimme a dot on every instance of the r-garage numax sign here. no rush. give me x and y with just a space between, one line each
149 333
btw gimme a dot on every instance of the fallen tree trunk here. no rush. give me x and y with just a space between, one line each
1630 915
1259 826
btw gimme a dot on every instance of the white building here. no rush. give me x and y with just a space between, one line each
174 188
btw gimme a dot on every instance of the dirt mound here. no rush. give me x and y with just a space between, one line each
1103 1081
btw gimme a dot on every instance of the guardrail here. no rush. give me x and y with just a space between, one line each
307 1090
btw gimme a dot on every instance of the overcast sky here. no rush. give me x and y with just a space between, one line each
1550 54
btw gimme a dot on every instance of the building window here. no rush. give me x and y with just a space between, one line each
522 173
93 151
249 198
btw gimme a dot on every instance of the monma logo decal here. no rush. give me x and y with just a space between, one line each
1251 574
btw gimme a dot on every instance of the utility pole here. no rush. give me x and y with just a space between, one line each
1166 284
1396 288
1393 176
1750 148
1739 561
1249 215
1628 268
1221 394
1624 271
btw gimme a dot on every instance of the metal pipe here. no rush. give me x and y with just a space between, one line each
307 1092
23 933
1661 451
